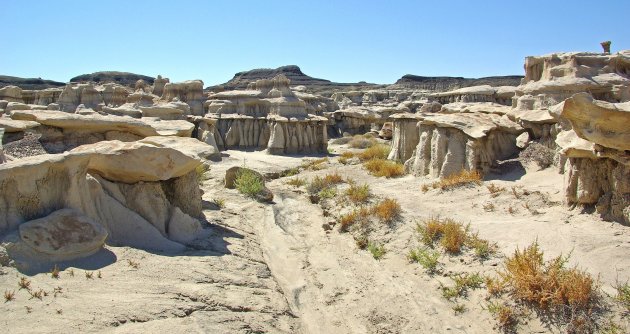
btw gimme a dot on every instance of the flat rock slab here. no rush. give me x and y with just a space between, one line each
10 125
64 232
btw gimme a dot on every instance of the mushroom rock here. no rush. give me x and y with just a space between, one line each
74 95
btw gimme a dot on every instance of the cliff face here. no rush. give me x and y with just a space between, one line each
28 83
123 78
451 83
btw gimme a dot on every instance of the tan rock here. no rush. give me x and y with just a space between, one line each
65 234
603 123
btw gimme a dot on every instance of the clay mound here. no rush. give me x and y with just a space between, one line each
123 78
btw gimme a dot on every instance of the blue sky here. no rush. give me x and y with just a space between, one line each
344 41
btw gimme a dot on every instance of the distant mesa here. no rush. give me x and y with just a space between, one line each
450 83
292 72
28 83
123 78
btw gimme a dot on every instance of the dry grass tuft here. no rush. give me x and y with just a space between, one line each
316 164
623 295
505 315
319 184
54 273
453 236
36 294
360 215
133 264
219 202
296 182
549 285
358 194
387 210
494 189
24 283
345 157
9 295
463 178
495 286
88 275
386 168
359 141
379 151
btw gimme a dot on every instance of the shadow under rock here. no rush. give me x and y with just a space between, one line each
98 260
507 170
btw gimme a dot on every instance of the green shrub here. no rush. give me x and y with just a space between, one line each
427 258
248 183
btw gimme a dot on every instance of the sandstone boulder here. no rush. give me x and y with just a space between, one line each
65 234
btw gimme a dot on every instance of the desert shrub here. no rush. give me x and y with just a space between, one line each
463 282
345 157
427 258
483 248
290 172
377 250
623 295
248 183
386 168
360 215
327 193
359 141
296 182
494 189
358 194
202 173
387 210
9 295
315 164
318 183
452 236
495 286
542 155
505 315
463 178
219 202
548 285
379 151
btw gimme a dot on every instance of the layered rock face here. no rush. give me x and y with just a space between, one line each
190 92
501 95
442 144
595 149
268 115
143 194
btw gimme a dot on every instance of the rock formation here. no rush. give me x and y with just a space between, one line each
158 85
502 95
122 78
443 84
143 194
595 148
266 115
190 92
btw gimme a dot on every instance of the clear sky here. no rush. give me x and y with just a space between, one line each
344 41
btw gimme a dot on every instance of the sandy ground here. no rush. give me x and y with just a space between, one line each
274 268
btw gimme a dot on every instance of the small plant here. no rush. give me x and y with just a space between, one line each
387 210
59 311
425 188
468 281
384 168
515 192
377 250
358 194
345 157
328 193
495 286
360 215
453 236
54 273
361 142
512 210
248 182
296 182
219 202
201 172
71 272
361 241
99 275
133 264
483 248
427 258
88 275
379 152
461 179
57 291
505 315
24 283
531 209
36 294
316 164
9 295
495 190
623 295
459 308
318 183
489 206
28 309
